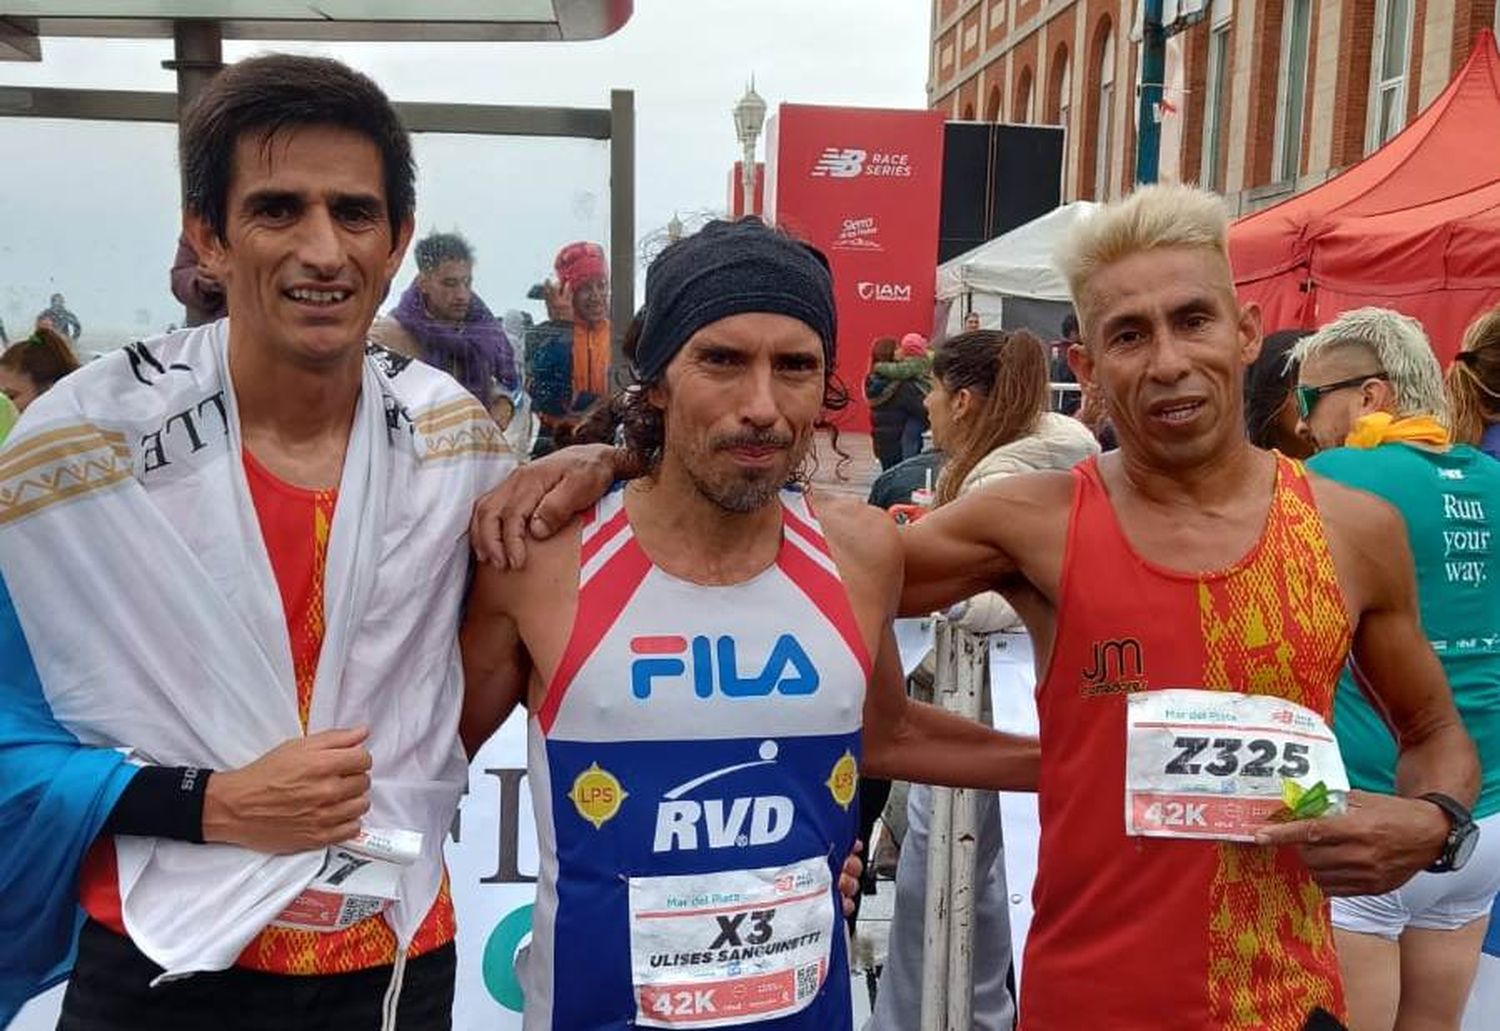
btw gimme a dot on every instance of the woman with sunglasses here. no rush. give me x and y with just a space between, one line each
1473 383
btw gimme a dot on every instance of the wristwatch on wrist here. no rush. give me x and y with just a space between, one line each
1463 834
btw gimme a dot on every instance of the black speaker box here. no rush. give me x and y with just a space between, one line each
996 177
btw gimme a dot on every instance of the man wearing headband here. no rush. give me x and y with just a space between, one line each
567 357
1237 586
700 718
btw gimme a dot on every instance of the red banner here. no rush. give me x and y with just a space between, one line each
864 186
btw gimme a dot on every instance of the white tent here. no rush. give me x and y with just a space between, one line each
1017 264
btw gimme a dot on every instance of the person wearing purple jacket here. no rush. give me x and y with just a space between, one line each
441 321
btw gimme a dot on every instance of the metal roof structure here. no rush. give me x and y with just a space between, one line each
25 23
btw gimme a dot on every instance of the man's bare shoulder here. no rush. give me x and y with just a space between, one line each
551 566
1355 516
863 534
854 524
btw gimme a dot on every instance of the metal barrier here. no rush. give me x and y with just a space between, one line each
962 674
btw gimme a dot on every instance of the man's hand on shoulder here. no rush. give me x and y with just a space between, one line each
539 498
304 794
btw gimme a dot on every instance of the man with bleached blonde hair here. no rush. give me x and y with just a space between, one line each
1371 393
1366 362
1186 560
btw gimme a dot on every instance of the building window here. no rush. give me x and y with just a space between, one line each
1390 60
1025 109
1105 128
1055 113
1292 90
968 113
1216 98
992 105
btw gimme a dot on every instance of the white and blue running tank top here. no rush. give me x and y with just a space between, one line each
693 773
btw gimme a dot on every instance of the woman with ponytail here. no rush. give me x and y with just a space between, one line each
30 367
988 410
1474 386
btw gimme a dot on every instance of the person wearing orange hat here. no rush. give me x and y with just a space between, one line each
568 356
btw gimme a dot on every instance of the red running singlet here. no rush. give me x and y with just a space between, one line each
1150 933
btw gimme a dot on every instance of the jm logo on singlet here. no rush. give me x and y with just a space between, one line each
1118 666
686 824
713 666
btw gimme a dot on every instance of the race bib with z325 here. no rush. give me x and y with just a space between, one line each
1215 764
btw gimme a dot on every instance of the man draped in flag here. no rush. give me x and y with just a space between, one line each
236 556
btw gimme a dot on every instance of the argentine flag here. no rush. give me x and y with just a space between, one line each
55 795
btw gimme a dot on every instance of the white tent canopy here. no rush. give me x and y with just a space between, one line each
1017 264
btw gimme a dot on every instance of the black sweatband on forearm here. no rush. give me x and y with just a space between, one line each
162 802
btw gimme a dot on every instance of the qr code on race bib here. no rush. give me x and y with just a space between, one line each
808 981
360 907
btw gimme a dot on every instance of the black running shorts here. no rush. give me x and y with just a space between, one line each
111 991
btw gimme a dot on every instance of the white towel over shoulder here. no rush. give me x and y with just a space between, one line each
131 546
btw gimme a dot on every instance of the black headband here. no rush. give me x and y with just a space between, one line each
730 268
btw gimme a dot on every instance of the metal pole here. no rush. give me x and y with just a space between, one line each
747 176
948 927
621 223
971 670
1153 72
197 56
935 983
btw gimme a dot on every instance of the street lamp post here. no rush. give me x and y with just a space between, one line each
749 118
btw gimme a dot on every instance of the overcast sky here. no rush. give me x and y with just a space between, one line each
90 209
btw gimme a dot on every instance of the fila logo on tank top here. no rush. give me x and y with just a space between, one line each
693 774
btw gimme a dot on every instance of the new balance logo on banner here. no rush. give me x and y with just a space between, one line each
839 163
849 163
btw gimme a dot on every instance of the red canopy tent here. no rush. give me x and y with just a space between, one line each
1415 226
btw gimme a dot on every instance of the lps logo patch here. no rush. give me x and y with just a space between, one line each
843 781
742 822
597 795
715 666
839 163
858 234
886 292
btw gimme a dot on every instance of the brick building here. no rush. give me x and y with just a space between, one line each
1263 98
